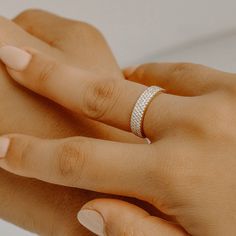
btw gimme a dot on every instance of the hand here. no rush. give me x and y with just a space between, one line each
69 42
36 206
188 172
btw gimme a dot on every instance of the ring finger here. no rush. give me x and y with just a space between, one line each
110 101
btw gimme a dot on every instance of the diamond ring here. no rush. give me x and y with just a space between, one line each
140 108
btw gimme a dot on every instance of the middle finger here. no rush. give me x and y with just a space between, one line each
97 165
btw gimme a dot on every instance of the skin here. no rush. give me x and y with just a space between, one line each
43 208
189 170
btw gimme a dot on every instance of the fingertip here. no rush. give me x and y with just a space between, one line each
93 215
26 66
92 220
102 214
7 140
15 58
4 146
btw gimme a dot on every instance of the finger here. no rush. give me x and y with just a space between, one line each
89 94
83 163
12 34
36 206
73 37
179 78
44 25
114 218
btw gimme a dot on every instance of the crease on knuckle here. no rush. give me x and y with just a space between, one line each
46 73
100 99
71 161
182 70
18 160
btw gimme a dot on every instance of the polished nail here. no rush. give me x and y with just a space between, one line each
4 145
15 58
93 221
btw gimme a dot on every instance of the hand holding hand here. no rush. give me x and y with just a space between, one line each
24 200
188 172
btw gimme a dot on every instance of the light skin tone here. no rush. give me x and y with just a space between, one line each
43 208
189 170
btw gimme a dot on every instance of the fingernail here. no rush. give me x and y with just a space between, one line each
15 58
129 71
4 145
93 221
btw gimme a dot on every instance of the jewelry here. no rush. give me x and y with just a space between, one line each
140 108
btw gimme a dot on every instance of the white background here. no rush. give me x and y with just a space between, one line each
202 31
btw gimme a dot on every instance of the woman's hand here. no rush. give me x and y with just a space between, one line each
72 42
188 172
34 205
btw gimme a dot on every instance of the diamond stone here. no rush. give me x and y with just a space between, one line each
137 116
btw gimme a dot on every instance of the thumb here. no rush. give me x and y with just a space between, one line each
110 217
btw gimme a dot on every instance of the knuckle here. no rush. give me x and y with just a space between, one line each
100 98
27 14
79 31
30 12
182 70
19 156
71 159
82 28
46 72
183 67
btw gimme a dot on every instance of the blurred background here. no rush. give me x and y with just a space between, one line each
202 31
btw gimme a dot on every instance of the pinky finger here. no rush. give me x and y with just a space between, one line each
112 217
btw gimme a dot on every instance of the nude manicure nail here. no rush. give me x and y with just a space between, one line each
93 221
4 145
15 58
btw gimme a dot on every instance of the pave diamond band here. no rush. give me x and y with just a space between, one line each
137 116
